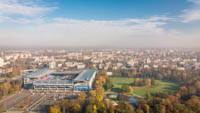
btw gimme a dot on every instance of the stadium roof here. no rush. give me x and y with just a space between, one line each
85 75
39 73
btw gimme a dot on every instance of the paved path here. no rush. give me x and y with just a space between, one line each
11 101
7 98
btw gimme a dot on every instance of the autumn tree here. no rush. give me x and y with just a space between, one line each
124 108
194 104
54 109
82 97
126 89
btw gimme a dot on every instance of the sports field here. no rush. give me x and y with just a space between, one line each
162 86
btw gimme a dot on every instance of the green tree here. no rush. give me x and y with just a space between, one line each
153 82
108 84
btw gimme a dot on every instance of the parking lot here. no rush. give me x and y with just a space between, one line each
27 101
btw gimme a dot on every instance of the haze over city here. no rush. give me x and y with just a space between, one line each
99 56
100 23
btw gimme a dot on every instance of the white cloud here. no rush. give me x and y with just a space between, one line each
125 32
95 28
192 14
20 11
63 31
149 32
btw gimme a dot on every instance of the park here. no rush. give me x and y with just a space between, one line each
161 86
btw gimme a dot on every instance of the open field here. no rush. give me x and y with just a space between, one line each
162 86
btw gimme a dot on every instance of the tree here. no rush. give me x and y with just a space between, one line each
82 97
181 108
108 84
91 108
194 104
128 74
76 108
126 89
124 73
160 108
183 91
197 84
101 107
54 109
148 82
5 87
136 81
110 108
134 71
139 110
162 94
159 76
153 82
142 82
96 96
148 95
146 108
124 108
15 72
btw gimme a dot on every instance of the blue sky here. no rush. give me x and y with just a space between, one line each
118 9
109 23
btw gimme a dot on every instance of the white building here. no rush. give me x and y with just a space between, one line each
69 64
52 65
146 66
81 66
109 73
1 62
155 66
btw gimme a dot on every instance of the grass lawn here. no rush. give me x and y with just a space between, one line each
162 86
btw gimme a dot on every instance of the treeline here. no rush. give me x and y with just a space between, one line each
190 79
144 82
185 100
7 88
165 103
94 102
167 74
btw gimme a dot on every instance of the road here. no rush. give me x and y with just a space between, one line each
28 102
11 101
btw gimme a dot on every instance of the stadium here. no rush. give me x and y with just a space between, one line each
46 79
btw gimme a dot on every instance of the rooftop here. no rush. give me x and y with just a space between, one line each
85 75
39 73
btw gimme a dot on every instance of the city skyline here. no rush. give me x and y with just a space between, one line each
104 23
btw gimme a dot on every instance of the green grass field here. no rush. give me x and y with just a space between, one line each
162 86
